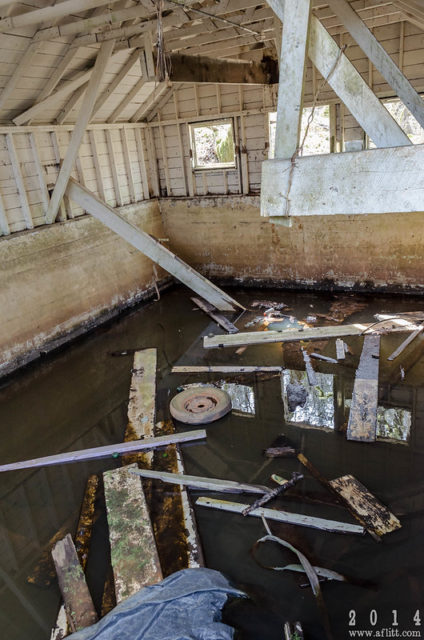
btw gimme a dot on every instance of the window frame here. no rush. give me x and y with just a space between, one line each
232 166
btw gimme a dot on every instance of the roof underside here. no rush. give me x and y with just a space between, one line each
38 59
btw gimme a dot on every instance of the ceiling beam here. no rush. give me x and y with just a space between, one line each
186 68
38 17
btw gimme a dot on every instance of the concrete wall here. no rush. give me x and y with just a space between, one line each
62 279
225 237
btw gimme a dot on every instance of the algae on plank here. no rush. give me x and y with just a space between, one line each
135 560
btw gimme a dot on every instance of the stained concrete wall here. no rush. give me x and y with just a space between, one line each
57 281
225 237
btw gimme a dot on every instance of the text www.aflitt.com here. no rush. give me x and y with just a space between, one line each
384 633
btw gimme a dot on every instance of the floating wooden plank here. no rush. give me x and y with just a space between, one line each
224 369
78 603
406 342
292 66
362 424
379 57
282 516
312 378
376 516
135 560
150 247
197 482
82 540
340 349
217 317
326 483
318 356
78 131
296 335
370 182
106 451
142 402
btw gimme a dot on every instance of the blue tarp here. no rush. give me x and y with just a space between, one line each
185 606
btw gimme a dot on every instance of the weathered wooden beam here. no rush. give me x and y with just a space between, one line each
312 377
40 172
150 247
57 74
151 102
135 560
406 342
87 25
128 164
224 369
210 310
379 57
376 516
293 58
105 451
197 482
296 335
348 84
78 603
362 424
340 349
96 162
282 516
369 182
113 168
38 17
187 68
142 398
21 67
142 163
79 130
71 103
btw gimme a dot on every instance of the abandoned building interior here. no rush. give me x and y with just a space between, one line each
211 284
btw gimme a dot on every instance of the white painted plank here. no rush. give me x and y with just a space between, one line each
116 81
40 172
292 67
365 182
4 225
151 248
113 168
16 168
128 165
142 163
282 516
126 100
83 119
97 168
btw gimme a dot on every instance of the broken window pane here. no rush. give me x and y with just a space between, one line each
212 144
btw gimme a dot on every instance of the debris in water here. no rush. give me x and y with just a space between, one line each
293 631
268 304
200 404
213 313
274 493
318 356
280 452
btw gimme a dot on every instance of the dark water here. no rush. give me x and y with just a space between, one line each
77 399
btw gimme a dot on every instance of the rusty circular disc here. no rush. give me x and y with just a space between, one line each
200 405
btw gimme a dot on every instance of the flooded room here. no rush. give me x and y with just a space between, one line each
212 319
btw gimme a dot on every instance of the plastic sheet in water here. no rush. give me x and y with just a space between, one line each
185 606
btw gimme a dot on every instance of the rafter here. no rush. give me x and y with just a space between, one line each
38 17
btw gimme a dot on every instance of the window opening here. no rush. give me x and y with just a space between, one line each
318 139
212 144
405 120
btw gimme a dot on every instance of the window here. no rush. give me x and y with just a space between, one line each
405 120
212 144
318 139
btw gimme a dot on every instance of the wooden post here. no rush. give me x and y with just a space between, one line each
142 163
128 166
112 162
79 130
294 49
40 172
97 168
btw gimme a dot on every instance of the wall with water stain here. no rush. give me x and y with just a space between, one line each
226 238
60 280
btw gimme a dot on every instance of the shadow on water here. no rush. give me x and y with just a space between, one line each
78 397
